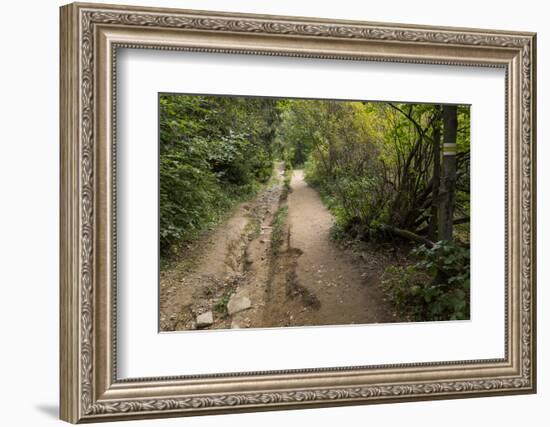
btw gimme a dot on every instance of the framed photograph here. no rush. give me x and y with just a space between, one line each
266 212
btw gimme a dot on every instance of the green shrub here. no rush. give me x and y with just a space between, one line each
214 152
357 201
436 287
221 304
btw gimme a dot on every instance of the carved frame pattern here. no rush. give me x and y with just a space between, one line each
80 23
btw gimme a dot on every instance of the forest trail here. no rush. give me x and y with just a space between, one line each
241 276
337 289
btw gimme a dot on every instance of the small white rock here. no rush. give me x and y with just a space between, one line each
205 319
238 303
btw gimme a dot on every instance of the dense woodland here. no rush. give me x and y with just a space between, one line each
214 152
391 174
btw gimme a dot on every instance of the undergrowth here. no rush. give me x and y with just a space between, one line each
436 287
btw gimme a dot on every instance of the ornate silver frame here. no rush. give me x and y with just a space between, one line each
90 35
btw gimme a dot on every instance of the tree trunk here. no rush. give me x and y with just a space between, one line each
448 174
436 181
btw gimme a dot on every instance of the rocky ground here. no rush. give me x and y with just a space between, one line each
272 264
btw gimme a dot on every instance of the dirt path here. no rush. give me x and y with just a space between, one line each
244 274
347 292
232 262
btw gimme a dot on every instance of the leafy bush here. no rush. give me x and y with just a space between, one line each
221 304
184 191
214 152
377 166
357 201
436 287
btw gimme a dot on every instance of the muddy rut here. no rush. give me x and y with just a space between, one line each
272 264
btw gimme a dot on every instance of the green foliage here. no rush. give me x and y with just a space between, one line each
344 165
373 163
436 287
214 152
355 201
185 189
295 135
221 304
